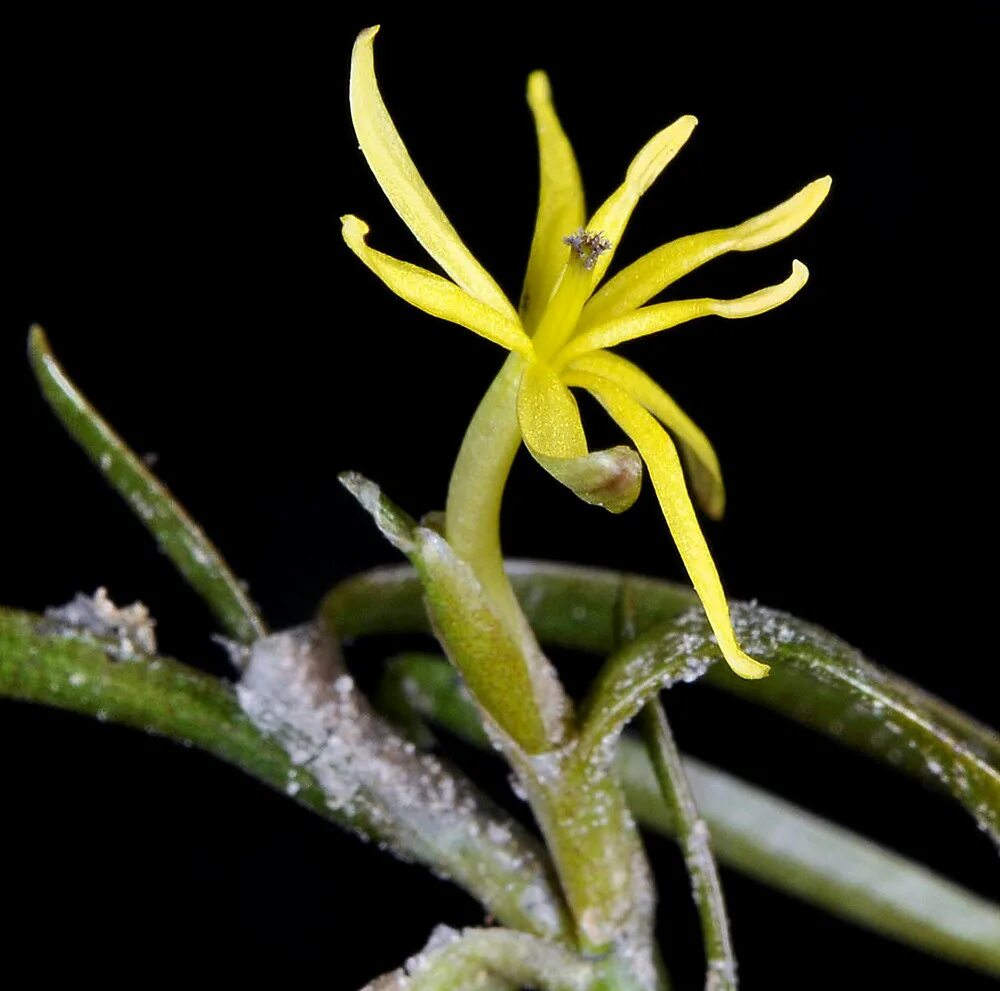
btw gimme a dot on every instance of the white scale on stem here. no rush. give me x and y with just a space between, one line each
295 689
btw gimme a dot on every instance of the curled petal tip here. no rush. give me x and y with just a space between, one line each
762 300
354 230
658 152
611 479
403 185
814 194
684 127
745 666
619 482
539 89
782 220
38 344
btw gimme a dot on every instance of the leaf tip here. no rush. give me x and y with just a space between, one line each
38 344
396 526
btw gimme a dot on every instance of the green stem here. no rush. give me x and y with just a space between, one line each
815 678
579 808
475 491
517 959
509 875
694 839
775 842
502 960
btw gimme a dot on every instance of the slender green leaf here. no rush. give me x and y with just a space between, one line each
777 843
799 853
378 791
179 537
634 675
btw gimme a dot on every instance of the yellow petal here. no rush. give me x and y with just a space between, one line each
562 313
613 214
402 184
434 294
552 431
652 273
665 470
699 455
560 202
662 316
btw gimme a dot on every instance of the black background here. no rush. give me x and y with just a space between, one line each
170 216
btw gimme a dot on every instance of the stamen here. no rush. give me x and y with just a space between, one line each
588 246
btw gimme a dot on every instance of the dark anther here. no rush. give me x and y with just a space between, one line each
588 246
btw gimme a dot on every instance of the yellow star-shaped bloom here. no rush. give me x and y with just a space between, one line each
566 323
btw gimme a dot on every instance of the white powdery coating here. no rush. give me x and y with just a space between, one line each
394 981
761 631
636 946
440 938
295 689
624 916
199 553
680 656
494 958
721 976
96 615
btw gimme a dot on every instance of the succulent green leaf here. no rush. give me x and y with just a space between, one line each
179 537
475 638
634 675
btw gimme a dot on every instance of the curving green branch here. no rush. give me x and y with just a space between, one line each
480 848
815 678
768 839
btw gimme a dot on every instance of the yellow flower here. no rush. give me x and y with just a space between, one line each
564 326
